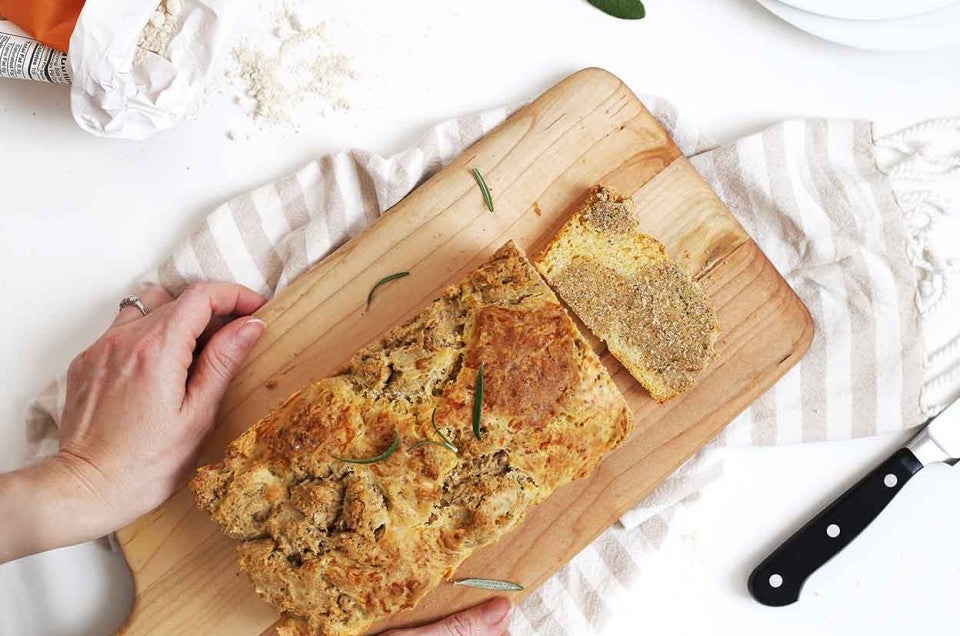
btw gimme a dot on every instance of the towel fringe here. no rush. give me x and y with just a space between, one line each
923 165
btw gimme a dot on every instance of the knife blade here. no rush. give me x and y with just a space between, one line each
778 579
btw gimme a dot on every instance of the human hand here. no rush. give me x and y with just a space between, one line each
139 402
487 619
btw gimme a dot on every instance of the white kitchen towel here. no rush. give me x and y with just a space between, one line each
809 192
923 163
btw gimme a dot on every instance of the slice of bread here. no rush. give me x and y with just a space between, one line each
655 319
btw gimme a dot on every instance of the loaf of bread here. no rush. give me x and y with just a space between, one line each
335 545
655 319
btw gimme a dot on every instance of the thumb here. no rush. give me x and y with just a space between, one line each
217 364
489 619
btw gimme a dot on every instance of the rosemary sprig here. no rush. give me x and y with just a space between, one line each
625 9
478 402
379 458
382 282
484 189
446 441
491 584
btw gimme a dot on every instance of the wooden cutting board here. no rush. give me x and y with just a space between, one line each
588 129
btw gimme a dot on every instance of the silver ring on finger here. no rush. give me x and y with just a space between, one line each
134 301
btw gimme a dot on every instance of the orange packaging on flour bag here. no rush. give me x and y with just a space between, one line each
49 22
136 66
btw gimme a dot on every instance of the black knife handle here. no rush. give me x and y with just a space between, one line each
778 579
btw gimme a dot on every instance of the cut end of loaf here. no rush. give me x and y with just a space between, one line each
654 318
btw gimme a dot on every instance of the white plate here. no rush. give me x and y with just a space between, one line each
869 9
927 31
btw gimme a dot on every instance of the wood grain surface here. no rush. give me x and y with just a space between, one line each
588 129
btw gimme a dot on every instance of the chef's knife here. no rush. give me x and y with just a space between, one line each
778 579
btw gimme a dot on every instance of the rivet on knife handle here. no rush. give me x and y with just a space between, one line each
778 579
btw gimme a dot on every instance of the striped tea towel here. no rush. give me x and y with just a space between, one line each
857 241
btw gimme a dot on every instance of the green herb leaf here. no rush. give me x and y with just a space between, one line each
382 282
446 441
625 9
491 584
379 458
478 402
487 197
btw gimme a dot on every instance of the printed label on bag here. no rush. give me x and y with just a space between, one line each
22 57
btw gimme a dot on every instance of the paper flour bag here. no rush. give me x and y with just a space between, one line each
137 66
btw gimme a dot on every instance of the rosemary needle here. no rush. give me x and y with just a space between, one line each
382 282
491 584
446 441
478 402
379 458
484 189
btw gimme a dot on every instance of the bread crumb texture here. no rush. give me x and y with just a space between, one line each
655 319
338 546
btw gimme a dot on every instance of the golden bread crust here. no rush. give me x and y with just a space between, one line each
337 546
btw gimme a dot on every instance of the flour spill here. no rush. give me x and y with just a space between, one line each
297 66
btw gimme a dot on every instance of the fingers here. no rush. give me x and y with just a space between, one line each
216 324
489 619
152 297
200 303
218 362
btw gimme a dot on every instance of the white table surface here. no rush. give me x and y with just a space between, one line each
80 217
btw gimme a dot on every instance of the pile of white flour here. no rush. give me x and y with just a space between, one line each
284 63
300 68
297 66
